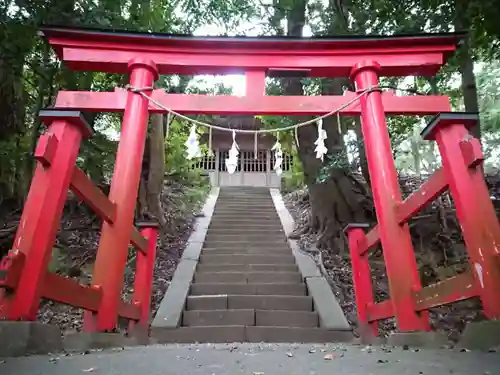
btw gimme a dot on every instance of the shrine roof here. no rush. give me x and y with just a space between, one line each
313 42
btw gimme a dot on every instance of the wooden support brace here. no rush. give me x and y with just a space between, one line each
85 189
454 289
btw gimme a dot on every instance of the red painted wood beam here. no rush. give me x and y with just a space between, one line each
267 105
372 239
85 190
129 310
322 57
68 291
115 60
435 185
380 311
454 289
139 241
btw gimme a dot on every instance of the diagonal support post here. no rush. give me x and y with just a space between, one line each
56 154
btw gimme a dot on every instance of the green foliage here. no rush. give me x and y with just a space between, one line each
175 152
293 179
30 75
332 161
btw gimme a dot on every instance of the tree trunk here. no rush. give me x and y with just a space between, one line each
363 163
469 88
156 168
341 197
152 175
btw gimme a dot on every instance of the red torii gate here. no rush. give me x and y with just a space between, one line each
24 275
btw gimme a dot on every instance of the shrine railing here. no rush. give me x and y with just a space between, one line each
461 175
24 275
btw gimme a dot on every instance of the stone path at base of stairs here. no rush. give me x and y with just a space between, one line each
260 359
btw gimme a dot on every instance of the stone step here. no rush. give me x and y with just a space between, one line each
281 250
245 244
246 210
250 317
206 302
248 277
256 206
283 318
224 301
247 259
243 317
238 225
261 199
236 193
246 267
234 226
246 236
270 302
257 289
249 245
242 244
247 217
267 219
263 229
256 302
230 334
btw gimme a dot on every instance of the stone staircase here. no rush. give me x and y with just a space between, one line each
246 284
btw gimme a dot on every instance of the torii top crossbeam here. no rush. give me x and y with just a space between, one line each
98 50
257 57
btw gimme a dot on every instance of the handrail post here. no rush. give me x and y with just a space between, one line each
361 277
56 154
144 274
462 161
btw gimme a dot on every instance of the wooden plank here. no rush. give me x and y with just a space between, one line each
85 189
372 240
139 241
454 289
68 291
129 311
435 185
380 311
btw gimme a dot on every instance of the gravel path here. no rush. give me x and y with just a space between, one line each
259 359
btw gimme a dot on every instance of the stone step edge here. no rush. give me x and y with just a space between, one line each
248 289
250 317
250 277
245 267
230 334
325 302
218 317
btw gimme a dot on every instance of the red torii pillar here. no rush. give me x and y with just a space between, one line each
115 239
396 239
